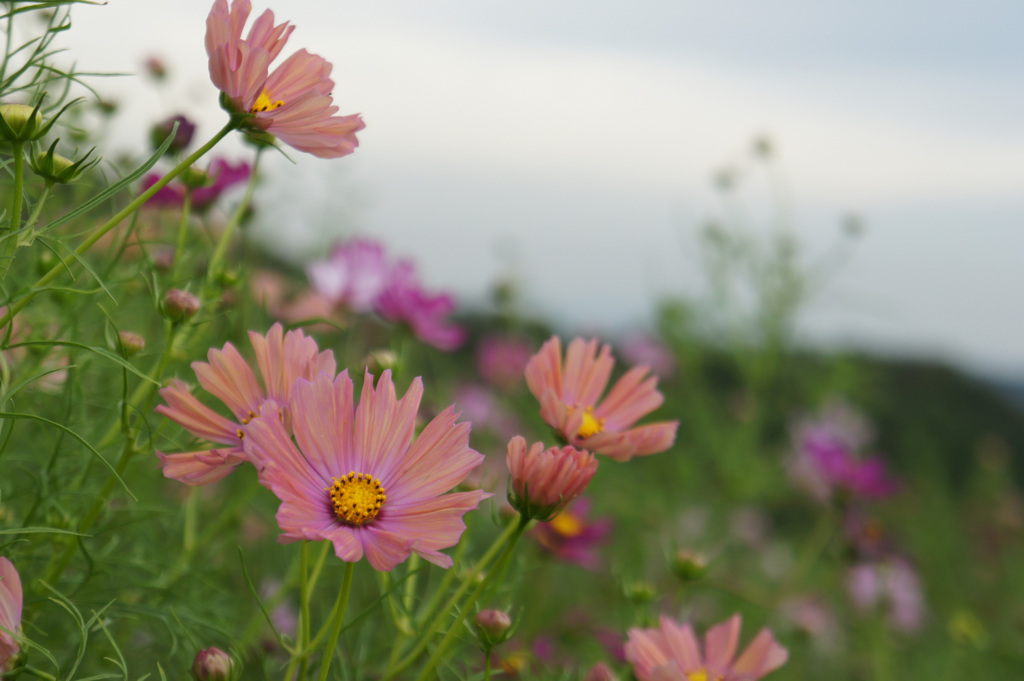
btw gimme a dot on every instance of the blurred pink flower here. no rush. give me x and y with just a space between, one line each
10 614
404 301
639 348
573 537
892 582
501 361
358 479
354 275
673 653
545 480
293 102
223 175
571 403
480 407
826 461
281 359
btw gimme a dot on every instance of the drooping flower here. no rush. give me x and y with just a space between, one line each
281 358
10 614
544 480
292 102
572 536
405 302
358 479
221 176
672 652
356 272
571 403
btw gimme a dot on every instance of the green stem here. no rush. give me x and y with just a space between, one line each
179 250
498 569
16 307
428 631
188 544
213 269
14 219
339 617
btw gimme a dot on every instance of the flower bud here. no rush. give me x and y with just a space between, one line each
493 625
179 305
131 342
542 481
600 672
640 592
380 360
689 566
56 168
182 137
212 664
20 122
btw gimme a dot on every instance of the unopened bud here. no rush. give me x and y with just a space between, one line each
380 360
182 137
212 664
640 592
21 122
131 342
179 305
53 167
493 625
689 566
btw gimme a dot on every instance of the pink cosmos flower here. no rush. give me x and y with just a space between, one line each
223 175
292 102
570 401
281 359
572 536
544 481
356 272
357 477
10 614
892 582
404 301
672 653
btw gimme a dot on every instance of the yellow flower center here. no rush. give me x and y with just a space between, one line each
566 525
357 498
590 425
265 103
702 675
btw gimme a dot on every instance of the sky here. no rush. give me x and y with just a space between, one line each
571 146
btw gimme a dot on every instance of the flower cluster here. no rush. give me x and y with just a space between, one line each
359 276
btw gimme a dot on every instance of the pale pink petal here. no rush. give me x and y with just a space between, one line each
322 416
544 370
646 650
184 409
762 656
439 459
720 645
682 644
268 445
384 425
228 378
597 369
10 596
433 524
384 550
200 468
629 400
297 75
268 37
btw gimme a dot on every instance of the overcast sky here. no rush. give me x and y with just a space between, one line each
573 143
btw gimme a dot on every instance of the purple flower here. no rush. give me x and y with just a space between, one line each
223 174
501 361
404 301
892 582
182 136
573 537
354 275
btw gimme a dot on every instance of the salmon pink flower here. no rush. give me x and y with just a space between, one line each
570 401
672 653
281 359
293 101
358 479
10 614
542 481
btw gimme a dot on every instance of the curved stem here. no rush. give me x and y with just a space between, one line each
213 269
339 617
179 249
14 219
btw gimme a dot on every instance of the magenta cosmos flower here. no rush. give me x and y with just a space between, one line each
222 176
572 536
358 479
10 614
281 359
672 653
292 102
542 481
404 301
571 403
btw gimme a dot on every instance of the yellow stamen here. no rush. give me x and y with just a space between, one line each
357 498
702 675
566 525
265 103
590 426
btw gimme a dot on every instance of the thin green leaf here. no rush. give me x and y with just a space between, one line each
102 352
42 530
